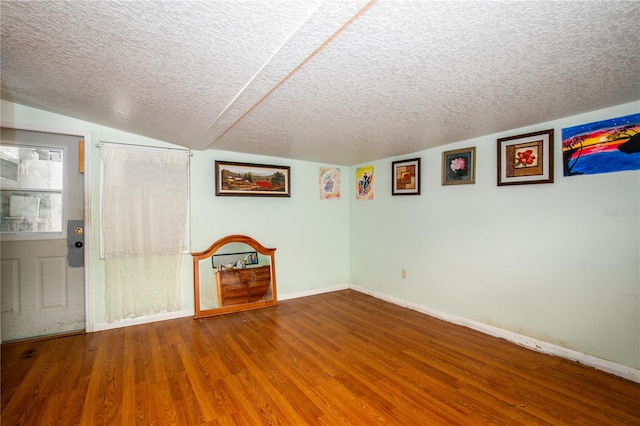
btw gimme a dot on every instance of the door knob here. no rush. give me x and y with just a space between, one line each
79 244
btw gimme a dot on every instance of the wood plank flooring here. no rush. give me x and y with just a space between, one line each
335 358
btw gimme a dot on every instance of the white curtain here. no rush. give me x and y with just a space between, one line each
144 211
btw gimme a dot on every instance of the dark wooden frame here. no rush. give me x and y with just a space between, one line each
448 177
223 189
543 142
395 177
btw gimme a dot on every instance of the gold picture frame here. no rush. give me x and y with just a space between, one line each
459 166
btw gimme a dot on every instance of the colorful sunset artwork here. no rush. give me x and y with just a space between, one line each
329 183
364 183
602 147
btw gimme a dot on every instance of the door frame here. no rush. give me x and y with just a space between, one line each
86 135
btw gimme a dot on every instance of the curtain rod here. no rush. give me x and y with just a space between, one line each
188 151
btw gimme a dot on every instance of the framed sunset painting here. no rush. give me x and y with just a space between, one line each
605 146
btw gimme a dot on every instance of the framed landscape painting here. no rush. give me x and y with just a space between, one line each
602 146
246 179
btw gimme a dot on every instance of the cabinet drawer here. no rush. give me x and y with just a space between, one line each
245 276
233 290
263 273
260 283
234 300
258 290
231 277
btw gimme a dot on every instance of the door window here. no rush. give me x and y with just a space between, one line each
31 186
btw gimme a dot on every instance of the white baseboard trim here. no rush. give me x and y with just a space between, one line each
519 339
143 320
190 312
312 292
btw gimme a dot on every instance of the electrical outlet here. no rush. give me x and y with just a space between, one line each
403 273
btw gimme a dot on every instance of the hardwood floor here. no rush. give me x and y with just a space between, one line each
335 358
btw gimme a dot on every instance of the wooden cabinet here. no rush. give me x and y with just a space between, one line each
237 286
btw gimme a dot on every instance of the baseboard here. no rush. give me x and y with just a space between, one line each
312 292
189 312
143 320
519 339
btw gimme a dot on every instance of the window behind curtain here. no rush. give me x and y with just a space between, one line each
144 210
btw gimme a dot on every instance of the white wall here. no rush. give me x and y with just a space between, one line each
311 236
558 262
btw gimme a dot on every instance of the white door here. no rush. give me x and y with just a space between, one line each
42 189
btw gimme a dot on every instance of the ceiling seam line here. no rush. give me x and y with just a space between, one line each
298 67
251 80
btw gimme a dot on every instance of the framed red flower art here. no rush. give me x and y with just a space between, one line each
526 159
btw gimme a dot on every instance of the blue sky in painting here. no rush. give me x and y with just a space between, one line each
570 132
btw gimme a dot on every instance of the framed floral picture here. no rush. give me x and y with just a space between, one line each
459 166
526 159
406 177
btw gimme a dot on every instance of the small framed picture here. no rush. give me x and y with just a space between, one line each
406 177
526 159
245 179
365 183
459 166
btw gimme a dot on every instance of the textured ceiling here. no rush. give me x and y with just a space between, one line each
341 82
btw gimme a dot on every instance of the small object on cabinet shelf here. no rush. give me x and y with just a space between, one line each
230 260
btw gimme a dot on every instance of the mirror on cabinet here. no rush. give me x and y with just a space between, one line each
236 273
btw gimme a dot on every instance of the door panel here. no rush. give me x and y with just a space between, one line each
10 285
52 283
41 293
